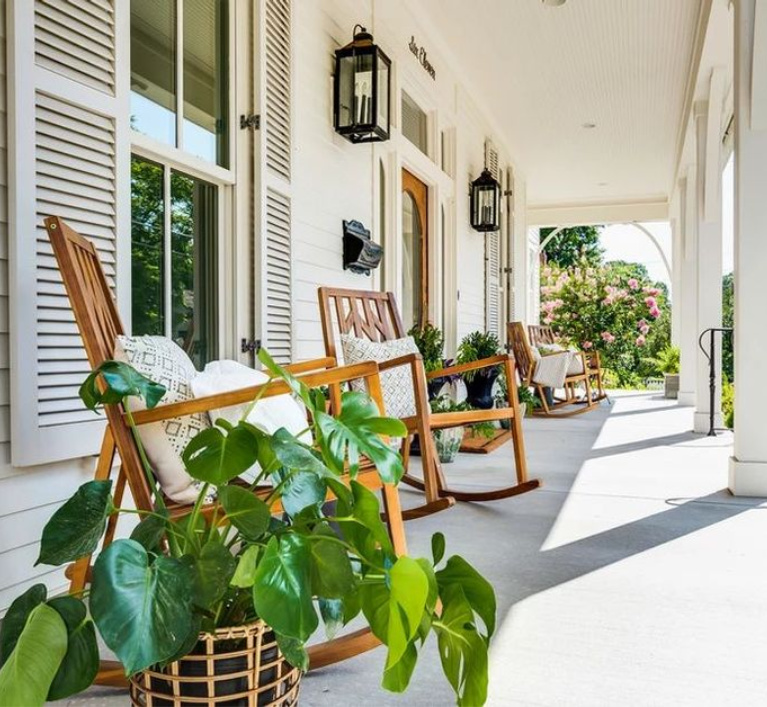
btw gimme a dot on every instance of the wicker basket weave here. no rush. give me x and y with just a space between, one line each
234 666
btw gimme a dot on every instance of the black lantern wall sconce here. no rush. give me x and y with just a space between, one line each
361 254
361 90
485 195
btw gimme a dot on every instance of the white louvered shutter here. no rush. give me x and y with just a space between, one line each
275 167
493 255
69 157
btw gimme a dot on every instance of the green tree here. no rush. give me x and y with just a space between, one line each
728 320
573 246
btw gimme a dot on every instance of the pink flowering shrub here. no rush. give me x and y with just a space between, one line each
609 308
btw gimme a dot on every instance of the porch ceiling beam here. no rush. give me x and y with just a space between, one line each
597 213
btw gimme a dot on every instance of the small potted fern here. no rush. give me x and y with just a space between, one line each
479 384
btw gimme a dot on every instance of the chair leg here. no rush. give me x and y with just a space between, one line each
79 572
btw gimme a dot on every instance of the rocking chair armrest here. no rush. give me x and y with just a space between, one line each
315 364
443 420
331 376
406 360
470 366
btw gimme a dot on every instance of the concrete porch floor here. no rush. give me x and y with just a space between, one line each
631 578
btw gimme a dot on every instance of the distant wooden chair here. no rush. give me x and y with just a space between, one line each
374 316
527 363
544 334
99 324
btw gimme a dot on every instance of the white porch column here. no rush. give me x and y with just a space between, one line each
686 298
520 257
748 467
676 274
709 250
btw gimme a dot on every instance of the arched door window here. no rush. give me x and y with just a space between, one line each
415 281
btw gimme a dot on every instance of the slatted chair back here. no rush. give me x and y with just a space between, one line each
366 314
541 335
522 351
99 324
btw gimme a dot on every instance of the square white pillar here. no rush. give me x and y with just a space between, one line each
748 467
685 300
708 298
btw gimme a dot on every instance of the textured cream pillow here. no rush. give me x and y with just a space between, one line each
396 383
165 362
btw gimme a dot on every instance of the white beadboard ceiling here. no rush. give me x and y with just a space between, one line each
544 72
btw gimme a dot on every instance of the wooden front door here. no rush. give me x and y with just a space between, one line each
415 251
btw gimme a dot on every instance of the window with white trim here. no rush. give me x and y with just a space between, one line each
180 59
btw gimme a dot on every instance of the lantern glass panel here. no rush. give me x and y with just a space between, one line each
382 119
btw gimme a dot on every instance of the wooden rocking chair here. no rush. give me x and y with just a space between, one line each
99 324
374 315
526 363
544 334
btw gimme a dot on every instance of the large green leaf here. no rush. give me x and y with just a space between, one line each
214 567
332 575
303 489
81 661
294 651
397 677
122 380
282 593
217 457
28 673
75 529
478 591
294 454
356 431
151 530
143 611
462 649
245 574
16 618
367 532
394 612
248 513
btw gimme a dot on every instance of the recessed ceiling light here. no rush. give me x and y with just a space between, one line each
601 184
589 126
554 3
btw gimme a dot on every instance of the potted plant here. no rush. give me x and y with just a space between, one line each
667 362
431 343
182 590
479 383
448 440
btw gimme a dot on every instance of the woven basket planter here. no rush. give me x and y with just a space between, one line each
234 666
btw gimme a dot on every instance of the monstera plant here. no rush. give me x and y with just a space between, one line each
151 595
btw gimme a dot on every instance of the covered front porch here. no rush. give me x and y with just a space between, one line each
631 578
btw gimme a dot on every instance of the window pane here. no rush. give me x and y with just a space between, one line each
205 80
194 216
147 247
411 266
153 69
414 123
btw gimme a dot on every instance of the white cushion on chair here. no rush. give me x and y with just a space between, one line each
269 414
163 361
397 383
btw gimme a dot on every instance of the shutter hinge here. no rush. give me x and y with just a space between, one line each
250 345
250 121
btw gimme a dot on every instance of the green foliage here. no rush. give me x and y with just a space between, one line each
728 403
475 347
572 246
152 594
667 360
431 343
612 309
444 403
728 320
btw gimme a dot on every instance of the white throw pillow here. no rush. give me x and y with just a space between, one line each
165 362
269 414
396 383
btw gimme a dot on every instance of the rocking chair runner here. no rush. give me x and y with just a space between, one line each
543 334
99 324
526 361
374 315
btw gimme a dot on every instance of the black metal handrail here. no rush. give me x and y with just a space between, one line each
711 357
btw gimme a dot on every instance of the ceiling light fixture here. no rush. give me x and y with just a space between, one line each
554 3
589 126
